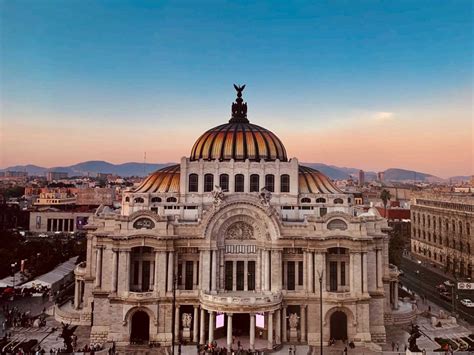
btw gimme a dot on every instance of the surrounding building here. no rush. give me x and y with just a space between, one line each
442 231
56 175
361 177
244 236
380 176
54 220
95 196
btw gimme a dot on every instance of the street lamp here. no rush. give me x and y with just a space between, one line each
13 265
174 320
320 275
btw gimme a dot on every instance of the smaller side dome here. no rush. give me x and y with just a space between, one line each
313 181
161 181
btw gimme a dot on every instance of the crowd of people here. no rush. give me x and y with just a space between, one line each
14 317
213 348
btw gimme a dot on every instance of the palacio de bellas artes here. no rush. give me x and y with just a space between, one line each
237 239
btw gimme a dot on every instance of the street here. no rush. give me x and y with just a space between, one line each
424 284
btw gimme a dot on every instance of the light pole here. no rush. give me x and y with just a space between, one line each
13 272
320 275
174 320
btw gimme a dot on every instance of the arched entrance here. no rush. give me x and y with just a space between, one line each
338 326
140 328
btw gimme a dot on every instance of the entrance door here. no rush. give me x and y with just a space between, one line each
291 275
240 324
140 328
189 276
333 276
339 326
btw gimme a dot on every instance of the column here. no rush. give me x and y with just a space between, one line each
229 331
127 271
176 324
310 288
364 272
252 331
278 327
258 271
246 276
140 273
205 268
270 330
76 295
395 294
114 270
81 291
303 323
275 271
284 323
211 326
214 271
357 272
195 324
379 268
152 274
98 267
169 283
202 330
234 275
157 266
267 269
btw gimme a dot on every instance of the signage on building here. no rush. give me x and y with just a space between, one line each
465 285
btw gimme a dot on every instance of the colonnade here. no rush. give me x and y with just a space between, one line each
276 326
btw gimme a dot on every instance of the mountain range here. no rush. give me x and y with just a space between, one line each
94 167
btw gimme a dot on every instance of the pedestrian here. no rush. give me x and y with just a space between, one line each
398 347
393 346
345 350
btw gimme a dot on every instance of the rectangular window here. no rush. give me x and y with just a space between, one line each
189 275
240 275
323 211
60 226
135 272
333 276
291 275
239 183
49 225
300 273
145 275
38 222
224 182
254 183
285 183
251 275
343 273
229 275
270 182
193 183
208 182
180 274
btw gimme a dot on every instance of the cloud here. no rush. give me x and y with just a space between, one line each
383 116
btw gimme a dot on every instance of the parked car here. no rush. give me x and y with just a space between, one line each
467 303
441 288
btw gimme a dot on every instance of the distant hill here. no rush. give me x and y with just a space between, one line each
93 168
140 169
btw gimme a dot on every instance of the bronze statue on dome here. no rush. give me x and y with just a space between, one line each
239 108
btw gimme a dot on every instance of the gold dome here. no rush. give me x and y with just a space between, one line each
313 181
238 139
163 180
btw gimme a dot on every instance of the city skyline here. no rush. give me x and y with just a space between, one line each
388 86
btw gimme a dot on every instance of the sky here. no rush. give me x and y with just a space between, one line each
365 84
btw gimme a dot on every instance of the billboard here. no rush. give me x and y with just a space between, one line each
220 320
260 320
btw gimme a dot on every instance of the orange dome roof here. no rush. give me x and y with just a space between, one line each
238 139
313 181
163 180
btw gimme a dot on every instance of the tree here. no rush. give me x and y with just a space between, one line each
385 196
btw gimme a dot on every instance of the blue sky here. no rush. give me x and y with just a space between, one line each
169 67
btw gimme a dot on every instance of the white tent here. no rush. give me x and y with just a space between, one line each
9 281
56 277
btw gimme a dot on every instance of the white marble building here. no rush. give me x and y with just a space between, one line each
245 233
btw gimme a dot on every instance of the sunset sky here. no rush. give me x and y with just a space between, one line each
365 84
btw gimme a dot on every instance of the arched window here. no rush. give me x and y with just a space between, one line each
143 223
139 200
338 201
453 225
156 199
305 200
239 183
193 183
254 183
171 199
423 217
224 182
460 227
208 182
429 221
127 199
337 224
285 183
468 229
270 182
320 200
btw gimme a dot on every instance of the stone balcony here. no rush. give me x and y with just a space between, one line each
241 301
80 269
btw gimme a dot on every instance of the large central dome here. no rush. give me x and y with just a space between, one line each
238 139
